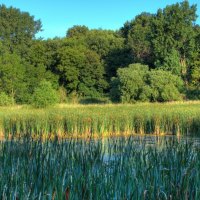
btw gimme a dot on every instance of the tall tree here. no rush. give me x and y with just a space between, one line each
195 65
38 62
12 73
17 29
137 33
109 45
77 31
172 28
81 71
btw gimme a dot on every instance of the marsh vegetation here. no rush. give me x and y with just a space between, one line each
117 168
66 121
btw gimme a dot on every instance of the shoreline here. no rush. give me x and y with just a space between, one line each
53 137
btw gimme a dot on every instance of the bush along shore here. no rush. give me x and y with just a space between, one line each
101 120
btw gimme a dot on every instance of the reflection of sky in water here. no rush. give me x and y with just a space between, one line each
114 148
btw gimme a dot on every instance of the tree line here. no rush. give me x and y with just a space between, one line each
154 57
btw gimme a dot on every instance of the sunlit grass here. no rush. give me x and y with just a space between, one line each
68 120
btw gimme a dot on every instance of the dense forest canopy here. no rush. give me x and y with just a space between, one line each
154 57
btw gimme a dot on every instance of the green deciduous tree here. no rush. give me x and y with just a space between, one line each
103 41
172 29
109 45
137 33
172 63
81 71
12 73
38 66
33 76
77 31
165 40
195 72
70 60
17 29
92 80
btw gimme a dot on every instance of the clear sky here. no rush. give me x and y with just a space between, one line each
59 15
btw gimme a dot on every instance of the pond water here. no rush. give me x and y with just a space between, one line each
154 140
141 142
136 167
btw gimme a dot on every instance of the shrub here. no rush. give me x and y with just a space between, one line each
5 100
165 86
44 95
129 83
62 94
138 83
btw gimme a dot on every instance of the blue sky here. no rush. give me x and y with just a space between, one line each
59 15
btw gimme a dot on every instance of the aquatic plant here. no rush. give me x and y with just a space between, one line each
116 168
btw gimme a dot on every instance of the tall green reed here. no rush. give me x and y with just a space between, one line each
87 121
115 168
